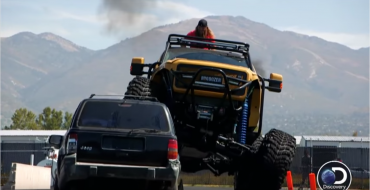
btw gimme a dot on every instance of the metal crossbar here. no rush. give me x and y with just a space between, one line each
219 44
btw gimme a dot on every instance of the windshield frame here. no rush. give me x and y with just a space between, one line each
76 122
177 51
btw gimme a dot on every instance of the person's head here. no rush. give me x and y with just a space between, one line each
202 29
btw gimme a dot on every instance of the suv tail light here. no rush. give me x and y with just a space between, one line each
172 149
72 143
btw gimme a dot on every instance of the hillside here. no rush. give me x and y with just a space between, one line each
28 61
319 76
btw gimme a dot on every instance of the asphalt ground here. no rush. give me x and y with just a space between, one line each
199 188
206 188
224 188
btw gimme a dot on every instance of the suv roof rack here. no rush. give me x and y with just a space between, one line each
129 97
93 95
219 44
154 99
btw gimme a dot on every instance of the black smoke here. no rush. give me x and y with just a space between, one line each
120 15
260 67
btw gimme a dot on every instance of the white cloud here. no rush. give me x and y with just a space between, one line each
86 18
354 41
181 11
59 14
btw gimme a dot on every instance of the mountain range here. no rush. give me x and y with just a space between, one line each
320 77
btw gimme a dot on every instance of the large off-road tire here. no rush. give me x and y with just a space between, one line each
269 163
139 86
245 175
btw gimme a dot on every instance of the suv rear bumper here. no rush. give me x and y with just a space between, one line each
71 171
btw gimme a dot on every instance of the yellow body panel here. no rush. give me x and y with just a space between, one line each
275 76
137 60
251 76
172 65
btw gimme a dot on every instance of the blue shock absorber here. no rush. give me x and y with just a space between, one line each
243 123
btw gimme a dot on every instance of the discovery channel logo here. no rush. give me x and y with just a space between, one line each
334 175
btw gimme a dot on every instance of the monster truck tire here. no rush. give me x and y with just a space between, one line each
139 86
268 166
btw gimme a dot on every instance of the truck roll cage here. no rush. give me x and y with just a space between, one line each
226 45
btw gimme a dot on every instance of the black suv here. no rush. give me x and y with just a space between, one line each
116 143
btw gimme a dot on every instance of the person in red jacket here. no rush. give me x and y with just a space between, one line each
202 30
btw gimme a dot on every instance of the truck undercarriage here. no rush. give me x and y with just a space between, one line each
210 128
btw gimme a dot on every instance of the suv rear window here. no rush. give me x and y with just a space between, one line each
113 114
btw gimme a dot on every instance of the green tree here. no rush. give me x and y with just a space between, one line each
57 119
23 119
50 119
43 120
355 134
67 120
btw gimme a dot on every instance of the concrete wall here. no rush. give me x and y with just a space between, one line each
25 176
32 177
22 139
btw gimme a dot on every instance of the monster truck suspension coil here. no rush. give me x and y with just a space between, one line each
243 119
243 123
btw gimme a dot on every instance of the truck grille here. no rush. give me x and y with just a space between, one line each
215 78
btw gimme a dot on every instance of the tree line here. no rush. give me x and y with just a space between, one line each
49 119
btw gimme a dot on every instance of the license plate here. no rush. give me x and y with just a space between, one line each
211 79
123 143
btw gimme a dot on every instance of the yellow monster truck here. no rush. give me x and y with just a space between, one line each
216 100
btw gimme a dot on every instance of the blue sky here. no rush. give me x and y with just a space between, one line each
342 21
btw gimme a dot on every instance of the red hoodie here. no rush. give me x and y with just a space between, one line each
192 33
